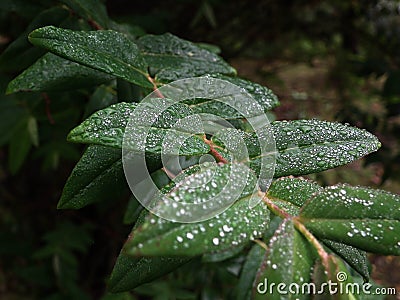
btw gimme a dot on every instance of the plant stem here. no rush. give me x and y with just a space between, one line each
155 88
214 152
311 238
275 209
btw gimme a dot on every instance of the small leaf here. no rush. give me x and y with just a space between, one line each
107 126
130 272
173 58
248 274
290 194
33 131
97 176
53 73
107 51
289 259
356 258
157 236
19 147
361 217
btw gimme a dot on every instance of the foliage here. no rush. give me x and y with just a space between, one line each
84 79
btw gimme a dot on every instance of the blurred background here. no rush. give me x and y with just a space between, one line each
332 60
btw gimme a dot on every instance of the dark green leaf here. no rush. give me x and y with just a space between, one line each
102 97
332 270
106 127
289 259
20 54
91 10
244 289
53 73
97 176
157 236
310 146
356 258
361 217
173 58
130 272
19 147
290 194
108 51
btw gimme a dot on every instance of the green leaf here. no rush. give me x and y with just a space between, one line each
130 272
19 147
289 259
262 95
107 51
92 10
20 54
157 236
248 274
102 97
356 258
364 218
53 73
290 194
173 58
332 270
107 126
310 146
97 176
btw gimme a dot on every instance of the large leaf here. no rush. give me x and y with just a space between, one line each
236 226
361 217
289 259
130 272
107 51
172 58
53 73
97 176
106 127
310 146
290 194
261 94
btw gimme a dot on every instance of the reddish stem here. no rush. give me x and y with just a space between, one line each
47 100
155 88
214 152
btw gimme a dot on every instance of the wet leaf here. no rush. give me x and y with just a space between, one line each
105 50
290 194
130 272
289 259
361 217
53 73
107 126
310 146
97 176
236 226
332 270
254 259
173 58
356 258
